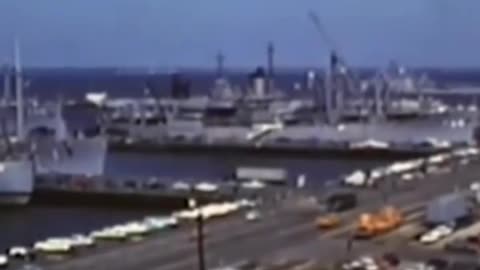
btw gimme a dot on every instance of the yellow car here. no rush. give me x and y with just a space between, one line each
327 222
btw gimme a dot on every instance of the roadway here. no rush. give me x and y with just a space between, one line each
282 232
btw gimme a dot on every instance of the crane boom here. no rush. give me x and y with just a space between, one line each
322 31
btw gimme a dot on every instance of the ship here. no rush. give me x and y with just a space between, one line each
16 166
339 108
37 143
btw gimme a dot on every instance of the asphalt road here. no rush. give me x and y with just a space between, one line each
179 249
282 232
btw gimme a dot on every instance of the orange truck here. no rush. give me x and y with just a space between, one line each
373 224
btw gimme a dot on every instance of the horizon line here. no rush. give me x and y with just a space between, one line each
153 70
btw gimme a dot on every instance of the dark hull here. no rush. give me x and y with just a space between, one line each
159 201
302 151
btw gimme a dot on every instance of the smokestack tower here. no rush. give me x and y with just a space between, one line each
220 65
270 71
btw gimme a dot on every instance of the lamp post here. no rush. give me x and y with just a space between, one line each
192 203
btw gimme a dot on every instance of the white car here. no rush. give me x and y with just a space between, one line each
3 260
18 252
252 215
475 186
367 263
436 234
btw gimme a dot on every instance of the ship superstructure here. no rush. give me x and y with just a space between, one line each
56 151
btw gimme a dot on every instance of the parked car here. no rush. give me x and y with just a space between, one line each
253 215
3 261
436 234
19 252
341 201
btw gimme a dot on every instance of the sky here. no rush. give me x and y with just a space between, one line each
188 33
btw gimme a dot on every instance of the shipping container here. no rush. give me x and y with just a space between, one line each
448 209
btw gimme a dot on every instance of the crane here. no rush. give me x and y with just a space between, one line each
333 48
338 66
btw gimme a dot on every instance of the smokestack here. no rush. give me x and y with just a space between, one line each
19 91
220 67
270 59
257 80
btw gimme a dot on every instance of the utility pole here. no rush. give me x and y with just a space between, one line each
200 243
192 203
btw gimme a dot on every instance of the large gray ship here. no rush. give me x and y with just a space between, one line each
36 142
16 167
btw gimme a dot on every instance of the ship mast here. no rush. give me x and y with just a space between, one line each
6 85
5 101
19 92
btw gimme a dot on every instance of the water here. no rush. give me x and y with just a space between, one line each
215 167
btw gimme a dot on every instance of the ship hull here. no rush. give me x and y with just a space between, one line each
14 198
16 182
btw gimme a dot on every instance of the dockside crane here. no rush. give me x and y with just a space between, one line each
326 37
337 69
336 56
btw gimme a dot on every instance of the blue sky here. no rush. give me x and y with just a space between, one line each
188 33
